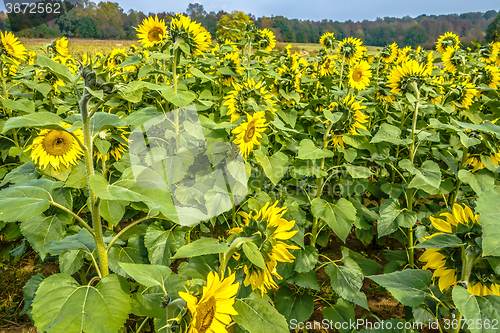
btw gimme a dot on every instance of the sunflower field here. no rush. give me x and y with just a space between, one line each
193 186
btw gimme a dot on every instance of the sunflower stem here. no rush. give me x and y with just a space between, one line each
94 201
6 96
459 182
341 71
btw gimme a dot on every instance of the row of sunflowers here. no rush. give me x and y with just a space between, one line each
334 174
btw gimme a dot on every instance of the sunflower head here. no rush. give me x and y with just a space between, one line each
116 57
389 53
452 59
464 94
489 75
266 40
11 46
351 50
119 144
60 45
213 311
194 36
352 117
270 232
359 75
447 40
327 66
243 98
152 31
229 60
56 148
248 133
327 40
408 76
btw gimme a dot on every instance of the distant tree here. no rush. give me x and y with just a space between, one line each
489 14
196 11
228 22
493 30
86 27
415 35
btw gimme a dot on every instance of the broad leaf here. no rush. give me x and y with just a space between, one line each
306 259
440 241
41 230
253 254
308 151
62 305
342 312
347 281
200 247
392 217
339 216
257 315
162 244
83 240
147 275
293 305
478 310
489 210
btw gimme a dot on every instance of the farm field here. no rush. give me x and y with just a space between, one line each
170 184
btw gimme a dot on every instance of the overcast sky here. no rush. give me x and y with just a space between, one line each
337 10
340 10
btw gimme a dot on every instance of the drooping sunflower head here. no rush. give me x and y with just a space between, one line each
116 57
327 67
60 45
327 40
11 46
444 271
248 133
451 59
389 53
459 218
351 50
465 93
489 75
447 40
407 74
196 37
359 75
232 61
49 77
266 40
119 144
270 232
245 96
352 118
152 31
56 148
31 57
213 311
489 53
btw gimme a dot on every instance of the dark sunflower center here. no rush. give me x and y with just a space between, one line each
249 133
57 143
357 75
155 34
205 314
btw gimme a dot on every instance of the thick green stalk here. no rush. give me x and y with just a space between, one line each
94 201
6 96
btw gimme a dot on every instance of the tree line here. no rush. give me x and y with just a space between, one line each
107 20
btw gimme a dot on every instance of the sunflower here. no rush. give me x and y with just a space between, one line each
351 49
404 55
248 133
116 57
193 34
465 92
11 46
230 60
474 162
406 74
31 57
327 40
242 98
327 67
490 52
56 148
447 40
382 95
119 144
359 75
352 116
480 289
152 31
50 78
272 230
451 59
443 260
60 45
266 40
213 311
490 76
389 53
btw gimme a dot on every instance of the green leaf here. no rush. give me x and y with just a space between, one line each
196 72
147 275
306 259
20 209
392 217
368 266
257 315
347 281
340 216
293 305
389 133
427 177
148 305
409 287
29 291
341 312
118 255
332 117
275 167
62 305
180 99
112 210
305 280
489 210
479 309
102 120
162 244
71 261
253 254
480 182
201 247
24 105
83 240
60 70
39 119
308 151
357 171
440 241
23 173
40 230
